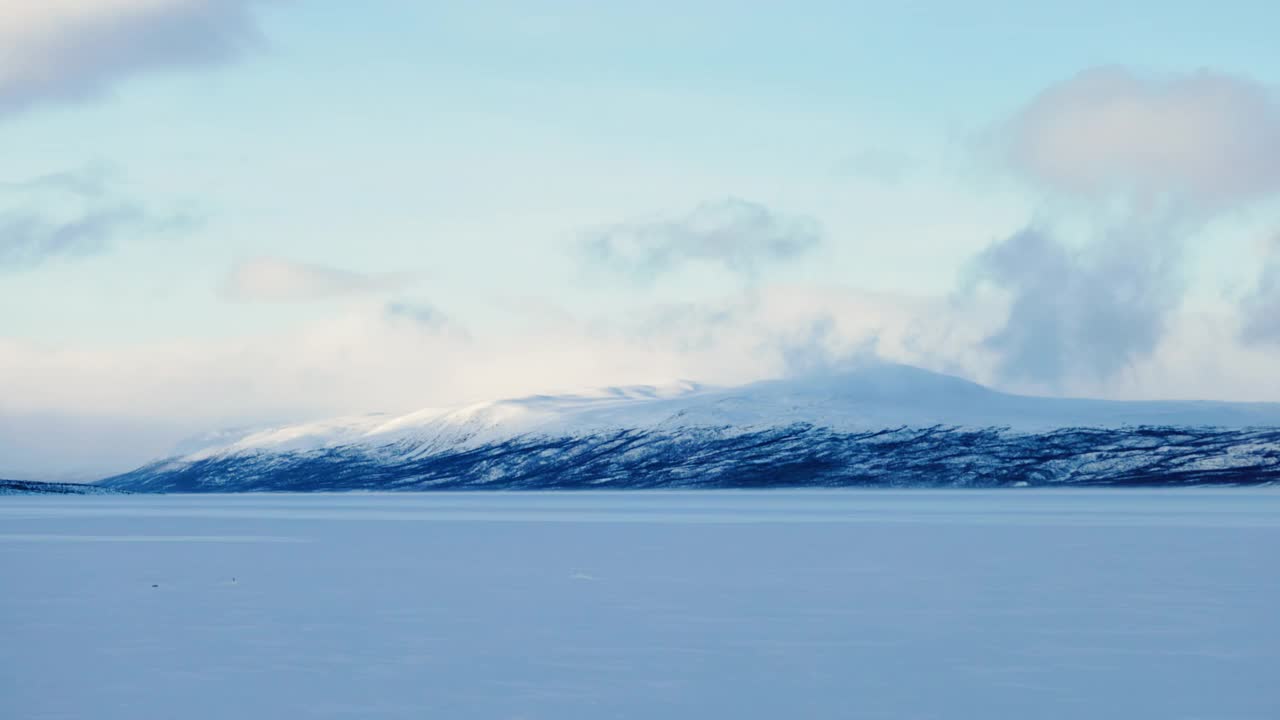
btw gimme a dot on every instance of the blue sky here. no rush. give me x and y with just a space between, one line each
218 213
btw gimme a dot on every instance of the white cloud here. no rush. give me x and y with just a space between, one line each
1206 139
271 279
67 50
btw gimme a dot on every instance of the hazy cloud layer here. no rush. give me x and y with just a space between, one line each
70 214
1206 139
1079 312
71 50
272 279
736 234
365 357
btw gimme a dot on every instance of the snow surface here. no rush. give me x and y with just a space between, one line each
813 604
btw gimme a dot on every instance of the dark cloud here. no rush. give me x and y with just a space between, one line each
68 51
1080 312
70 214
1260 309
737 234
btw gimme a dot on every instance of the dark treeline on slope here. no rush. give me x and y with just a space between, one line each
32 487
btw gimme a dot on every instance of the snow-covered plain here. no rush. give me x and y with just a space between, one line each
808 604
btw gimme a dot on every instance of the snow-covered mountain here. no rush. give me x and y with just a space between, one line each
886 425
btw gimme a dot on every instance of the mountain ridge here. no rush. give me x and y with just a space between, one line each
882 425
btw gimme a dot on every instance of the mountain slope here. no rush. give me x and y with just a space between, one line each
887 426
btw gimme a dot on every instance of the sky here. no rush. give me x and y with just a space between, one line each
229 213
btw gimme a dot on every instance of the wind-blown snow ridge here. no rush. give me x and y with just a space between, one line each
472 423
885 425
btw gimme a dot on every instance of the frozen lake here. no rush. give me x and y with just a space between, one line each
852 604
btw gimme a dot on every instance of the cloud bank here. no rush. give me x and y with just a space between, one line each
55 51
273 279
738 235
369 355
1146 160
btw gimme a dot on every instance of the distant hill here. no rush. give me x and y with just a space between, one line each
881 426
30 487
